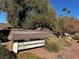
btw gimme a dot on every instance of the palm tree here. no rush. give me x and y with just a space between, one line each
64 9
68 12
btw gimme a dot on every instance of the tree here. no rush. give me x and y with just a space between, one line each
66 10
24 13
63 23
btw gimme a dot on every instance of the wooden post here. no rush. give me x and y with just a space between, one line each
15 47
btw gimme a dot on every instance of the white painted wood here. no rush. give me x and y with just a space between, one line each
31 42
30 46
15 47
27 45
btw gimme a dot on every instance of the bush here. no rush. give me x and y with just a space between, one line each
6 54
27 55
52 44
72 33
76 37
55 44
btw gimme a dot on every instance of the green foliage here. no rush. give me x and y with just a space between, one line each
23 13
64 9
5 54
68 11
76 37
1 37
27 55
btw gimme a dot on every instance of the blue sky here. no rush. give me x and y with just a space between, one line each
58 5
3 17
72 5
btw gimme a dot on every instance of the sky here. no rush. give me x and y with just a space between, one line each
3 17
58 5
72 5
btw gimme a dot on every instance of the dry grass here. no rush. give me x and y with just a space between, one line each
55 44
64 42
51 44
27 55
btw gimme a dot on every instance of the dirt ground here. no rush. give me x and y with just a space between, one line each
71 52
67 53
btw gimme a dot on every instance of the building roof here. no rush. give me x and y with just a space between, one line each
30 34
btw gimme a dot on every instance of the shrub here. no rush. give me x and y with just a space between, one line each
55 44
51 44
27 55
6 54
76 37
72 33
